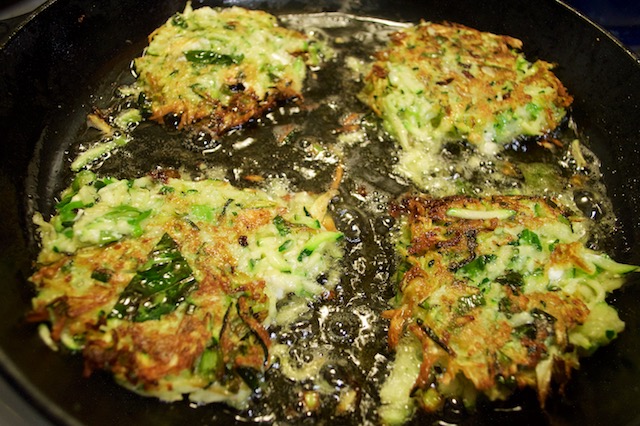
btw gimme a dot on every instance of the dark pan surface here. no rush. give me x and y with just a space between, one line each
51 67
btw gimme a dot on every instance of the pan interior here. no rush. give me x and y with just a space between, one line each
349 323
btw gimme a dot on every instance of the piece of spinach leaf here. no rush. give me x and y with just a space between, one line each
158 287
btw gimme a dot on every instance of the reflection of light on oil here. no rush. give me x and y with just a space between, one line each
243 143
515 409
360 265
366 328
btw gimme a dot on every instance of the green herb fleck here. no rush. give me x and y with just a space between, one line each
179 21
478 265
209 57
285 246
528 237
101 275
281 225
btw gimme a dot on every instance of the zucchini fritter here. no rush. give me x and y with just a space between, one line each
438 82
220 68
495 294
171 284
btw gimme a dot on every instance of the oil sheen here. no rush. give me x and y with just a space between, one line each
330 355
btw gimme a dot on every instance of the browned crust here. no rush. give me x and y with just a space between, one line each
488 353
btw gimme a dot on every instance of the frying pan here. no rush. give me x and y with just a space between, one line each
52 66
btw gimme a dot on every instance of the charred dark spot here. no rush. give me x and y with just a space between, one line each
322 279
444 82
238 87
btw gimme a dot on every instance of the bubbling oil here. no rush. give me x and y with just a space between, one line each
330 356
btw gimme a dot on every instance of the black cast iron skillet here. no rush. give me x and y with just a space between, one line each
51 66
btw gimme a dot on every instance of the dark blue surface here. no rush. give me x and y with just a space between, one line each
620 17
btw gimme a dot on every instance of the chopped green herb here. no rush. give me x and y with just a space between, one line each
179 21
478 265
101 275
210 57
512 279
158 287
281 225
285 246
528 237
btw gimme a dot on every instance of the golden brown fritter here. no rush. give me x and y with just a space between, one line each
220 68
495 294
170 284
439 82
